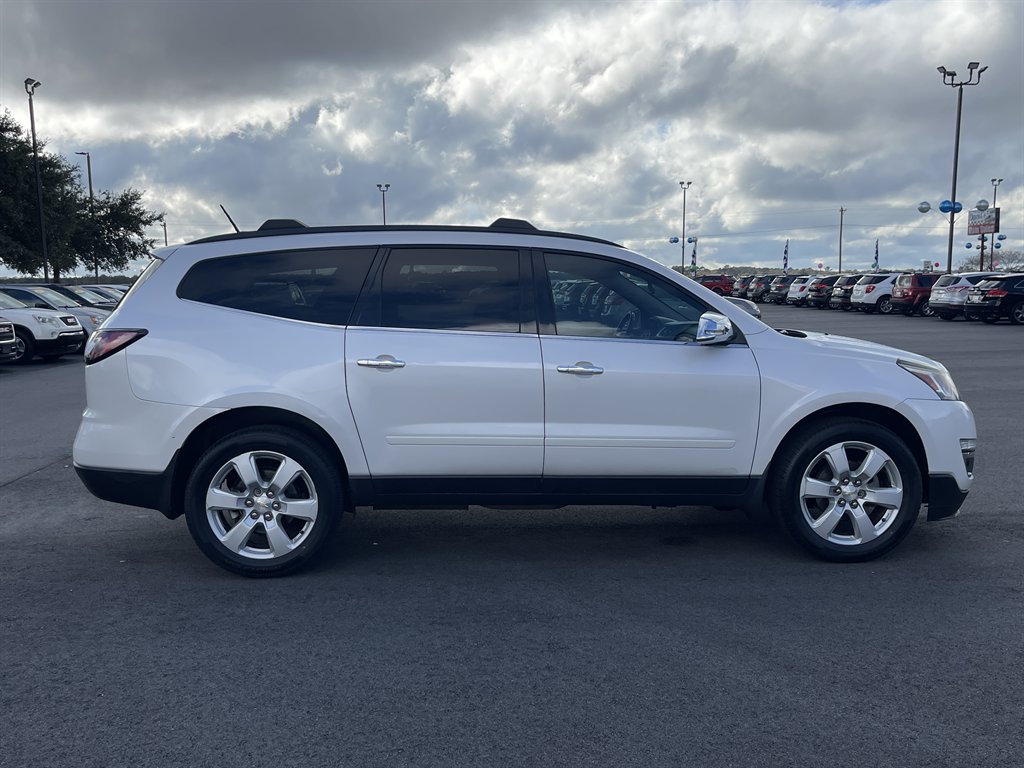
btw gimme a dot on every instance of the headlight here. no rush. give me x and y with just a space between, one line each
46 320
937 378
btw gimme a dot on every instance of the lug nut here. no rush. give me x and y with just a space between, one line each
856 482
270 494
248 502
257 492
842 502
837 490
276 506
862 494
254 515
853 504
268 517
846 480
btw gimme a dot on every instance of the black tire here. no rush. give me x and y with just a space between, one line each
884 305
990 320
1017 313
24 346
319 484
803 455
926 309
845 307
947 315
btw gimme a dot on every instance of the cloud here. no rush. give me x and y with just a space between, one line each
577 116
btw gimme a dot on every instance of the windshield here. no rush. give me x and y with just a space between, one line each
57 299
9 302
88 295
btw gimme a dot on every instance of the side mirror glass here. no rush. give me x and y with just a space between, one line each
713 328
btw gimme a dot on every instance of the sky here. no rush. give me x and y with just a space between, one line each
578 116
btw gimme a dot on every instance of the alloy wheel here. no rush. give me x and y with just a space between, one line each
851 493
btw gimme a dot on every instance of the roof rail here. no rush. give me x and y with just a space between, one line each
516 224
281 224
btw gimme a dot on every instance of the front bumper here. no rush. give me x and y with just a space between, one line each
945 497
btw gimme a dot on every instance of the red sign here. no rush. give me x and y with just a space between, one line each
983 222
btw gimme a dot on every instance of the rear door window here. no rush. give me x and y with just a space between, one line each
317 286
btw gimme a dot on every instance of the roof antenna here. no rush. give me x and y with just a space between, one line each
229 218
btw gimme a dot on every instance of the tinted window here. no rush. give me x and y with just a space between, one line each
946 280
636 304
927 279
976 280
465 289
872 279
317 286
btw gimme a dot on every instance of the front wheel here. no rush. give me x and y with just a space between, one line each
263 501
24 347
926 309
848 492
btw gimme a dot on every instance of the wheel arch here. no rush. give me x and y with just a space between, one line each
235 419
878 414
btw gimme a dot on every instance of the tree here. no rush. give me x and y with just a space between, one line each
107 234
1008 261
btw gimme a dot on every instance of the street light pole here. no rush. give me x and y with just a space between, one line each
949 78
383 206
30 88
685 185
842 212
92 209
164 223
992 250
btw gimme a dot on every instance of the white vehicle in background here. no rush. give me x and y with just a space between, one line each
797 295
89 318
949 294
43 332
8 341
874 292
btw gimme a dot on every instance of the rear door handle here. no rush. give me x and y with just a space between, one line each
385 362
582 368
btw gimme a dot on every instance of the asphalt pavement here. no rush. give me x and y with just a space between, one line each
572 637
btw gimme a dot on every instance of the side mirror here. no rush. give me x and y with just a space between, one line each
713 328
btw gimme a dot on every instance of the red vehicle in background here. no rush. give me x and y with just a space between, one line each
720 284
911 292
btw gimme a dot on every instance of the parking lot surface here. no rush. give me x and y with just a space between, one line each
608 636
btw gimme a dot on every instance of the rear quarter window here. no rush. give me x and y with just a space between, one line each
319 286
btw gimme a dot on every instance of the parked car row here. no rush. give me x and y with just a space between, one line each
986 296
49 320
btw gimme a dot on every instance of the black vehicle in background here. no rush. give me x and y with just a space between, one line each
841 292
819 290
757 289
739 287
779 288
996 298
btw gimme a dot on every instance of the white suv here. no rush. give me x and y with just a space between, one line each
874 292
43 332
262 383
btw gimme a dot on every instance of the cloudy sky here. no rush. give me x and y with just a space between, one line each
582 116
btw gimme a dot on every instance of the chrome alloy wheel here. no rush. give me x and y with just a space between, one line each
851 493
261 505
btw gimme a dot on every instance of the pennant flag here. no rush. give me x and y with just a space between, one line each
876 255
693 259
785 259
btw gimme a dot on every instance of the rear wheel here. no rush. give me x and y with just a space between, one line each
947 315
1017 313
263 501
847 492
885 305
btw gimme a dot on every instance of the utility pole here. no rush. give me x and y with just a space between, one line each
30 88
685 185
92 210
164 223
383 206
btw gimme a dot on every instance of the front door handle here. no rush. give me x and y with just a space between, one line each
582 368
386 362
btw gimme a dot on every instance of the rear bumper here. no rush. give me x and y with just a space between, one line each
151 490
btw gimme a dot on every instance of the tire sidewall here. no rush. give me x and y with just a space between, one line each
324 476
796 455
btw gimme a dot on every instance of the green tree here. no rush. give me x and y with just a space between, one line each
106 234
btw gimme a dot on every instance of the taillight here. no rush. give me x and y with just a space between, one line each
995 293
105 342
801 288
869 289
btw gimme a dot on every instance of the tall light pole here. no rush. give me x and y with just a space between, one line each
92 209
163 222
992 250
949 78
383 206
685 185
30 88
842 213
